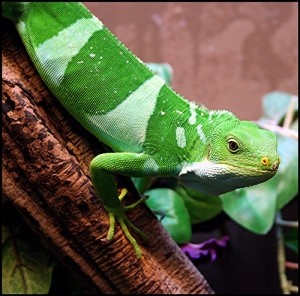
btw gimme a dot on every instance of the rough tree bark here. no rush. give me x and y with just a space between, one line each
45 175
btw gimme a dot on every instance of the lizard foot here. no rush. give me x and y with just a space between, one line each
119 215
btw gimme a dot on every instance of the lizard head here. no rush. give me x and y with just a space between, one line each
238 154
246 147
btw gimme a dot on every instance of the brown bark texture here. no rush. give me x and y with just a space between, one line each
45 160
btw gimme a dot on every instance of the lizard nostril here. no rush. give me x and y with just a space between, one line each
265 161
275 165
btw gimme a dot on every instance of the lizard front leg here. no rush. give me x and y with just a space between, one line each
103 169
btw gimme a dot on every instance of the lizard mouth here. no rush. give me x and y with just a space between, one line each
272 170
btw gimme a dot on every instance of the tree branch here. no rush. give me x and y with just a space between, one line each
46 155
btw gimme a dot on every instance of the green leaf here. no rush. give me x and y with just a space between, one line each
164 70
255 207
275 106
201 207
26 265
285 181
291 239
141 184
176 221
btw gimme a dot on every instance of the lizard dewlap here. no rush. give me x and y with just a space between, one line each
152 130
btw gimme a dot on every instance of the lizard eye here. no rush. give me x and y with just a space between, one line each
233 146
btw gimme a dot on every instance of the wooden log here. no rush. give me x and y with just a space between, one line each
46 155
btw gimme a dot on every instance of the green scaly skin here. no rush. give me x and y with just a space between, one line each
153 130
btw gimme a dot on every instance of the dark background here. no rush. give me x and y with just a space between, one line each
226 55
248 265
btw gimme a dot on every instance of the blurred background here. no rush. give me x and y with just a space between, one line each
226 55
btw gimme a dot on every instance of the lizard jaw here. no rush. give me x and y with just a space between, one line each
215 179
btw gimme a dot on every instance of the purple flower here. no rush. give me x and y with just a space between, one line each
205 249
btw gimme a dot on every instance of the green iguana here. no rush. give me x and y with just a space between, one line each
152 130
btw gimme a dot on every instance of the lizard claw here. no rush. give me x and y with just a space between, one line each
103 239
